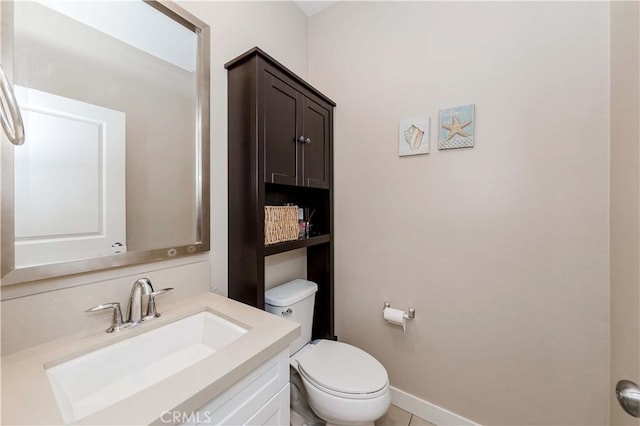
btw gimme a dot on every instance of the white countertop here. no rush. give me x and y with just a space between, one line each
27 397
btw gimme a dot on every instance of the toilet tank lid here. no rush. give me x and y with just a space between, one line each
289 293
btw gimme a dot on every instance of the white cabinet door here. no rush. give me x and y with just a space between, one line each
69 180
262 397
276 412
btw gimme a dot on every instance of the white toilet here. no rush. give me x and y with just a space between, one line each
344 384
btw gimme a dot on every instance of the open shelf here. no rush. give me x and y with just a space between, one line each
296 244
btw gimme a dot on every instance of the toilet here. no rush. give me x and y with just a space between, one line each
344 385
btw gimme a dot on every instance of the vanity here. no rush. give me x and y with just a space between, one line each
235 372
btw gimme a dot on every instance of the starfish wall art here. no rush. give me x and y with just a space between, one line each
456 127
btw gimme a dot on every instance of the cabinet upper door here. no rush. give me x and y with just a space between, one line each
316 151
282 154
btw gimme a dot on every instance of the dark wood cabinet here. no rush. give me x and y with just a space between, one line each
296 134
280 148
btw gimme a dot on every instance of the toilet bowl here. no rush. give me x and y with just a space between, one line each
344 384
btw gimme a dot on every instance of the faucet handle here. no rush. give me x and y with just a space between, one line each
151 304
116 322
161 291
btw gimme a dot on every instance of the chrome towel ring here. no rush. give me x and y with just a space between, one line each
11 122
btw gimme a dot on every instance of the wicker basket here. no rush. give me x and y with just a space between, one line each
280 224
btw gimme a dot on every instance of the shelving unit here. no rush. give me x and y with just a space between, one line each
280 151
296 244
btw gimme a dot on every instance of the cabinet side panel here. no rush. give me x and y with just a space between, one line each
246 261
319 271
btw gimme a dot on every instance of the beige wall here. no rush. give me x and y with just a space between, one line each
279 28
284 267
503 248
625 201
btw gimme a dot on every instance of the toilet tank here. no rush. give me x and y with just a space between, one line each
294 301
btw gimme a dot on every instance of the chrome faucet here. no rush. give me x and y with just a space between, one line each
142 287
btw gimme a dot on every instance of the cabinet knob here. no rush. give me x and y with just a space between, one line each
308 140
301 139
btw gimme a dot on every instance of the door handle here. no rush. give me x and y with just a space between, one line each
628 394
301 139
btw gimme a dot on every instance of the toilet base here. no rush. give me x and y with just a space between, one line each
347 412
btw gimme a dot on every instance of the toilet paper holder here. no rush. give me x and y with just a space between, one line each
407 315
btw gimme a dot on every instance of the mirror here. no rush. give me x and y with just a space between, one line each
114 170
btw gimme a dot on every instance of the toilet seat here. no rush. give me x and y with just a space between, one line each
342 395
342 370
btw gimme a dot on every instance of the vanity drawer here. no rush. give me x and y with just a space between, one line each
252 398
276 412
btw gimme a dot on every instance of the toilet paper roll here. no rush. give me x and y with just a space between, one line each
395 317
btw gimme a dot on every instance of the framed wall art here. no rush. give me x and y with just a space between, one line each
456 127
413 138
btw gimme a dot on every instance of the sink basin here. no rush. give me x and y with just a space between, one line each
94 381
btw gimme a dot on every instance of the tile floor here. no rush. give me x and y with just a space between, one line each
398 417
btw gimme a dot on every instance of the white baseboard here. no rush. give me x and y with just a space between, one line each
428 411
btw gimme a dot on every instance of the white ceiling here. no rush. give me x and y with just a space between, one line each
311 7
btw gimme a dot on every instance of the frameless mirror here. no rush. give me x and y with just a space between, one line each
114 170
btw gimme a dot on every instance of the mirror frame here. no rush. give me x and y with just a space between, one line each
11 275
